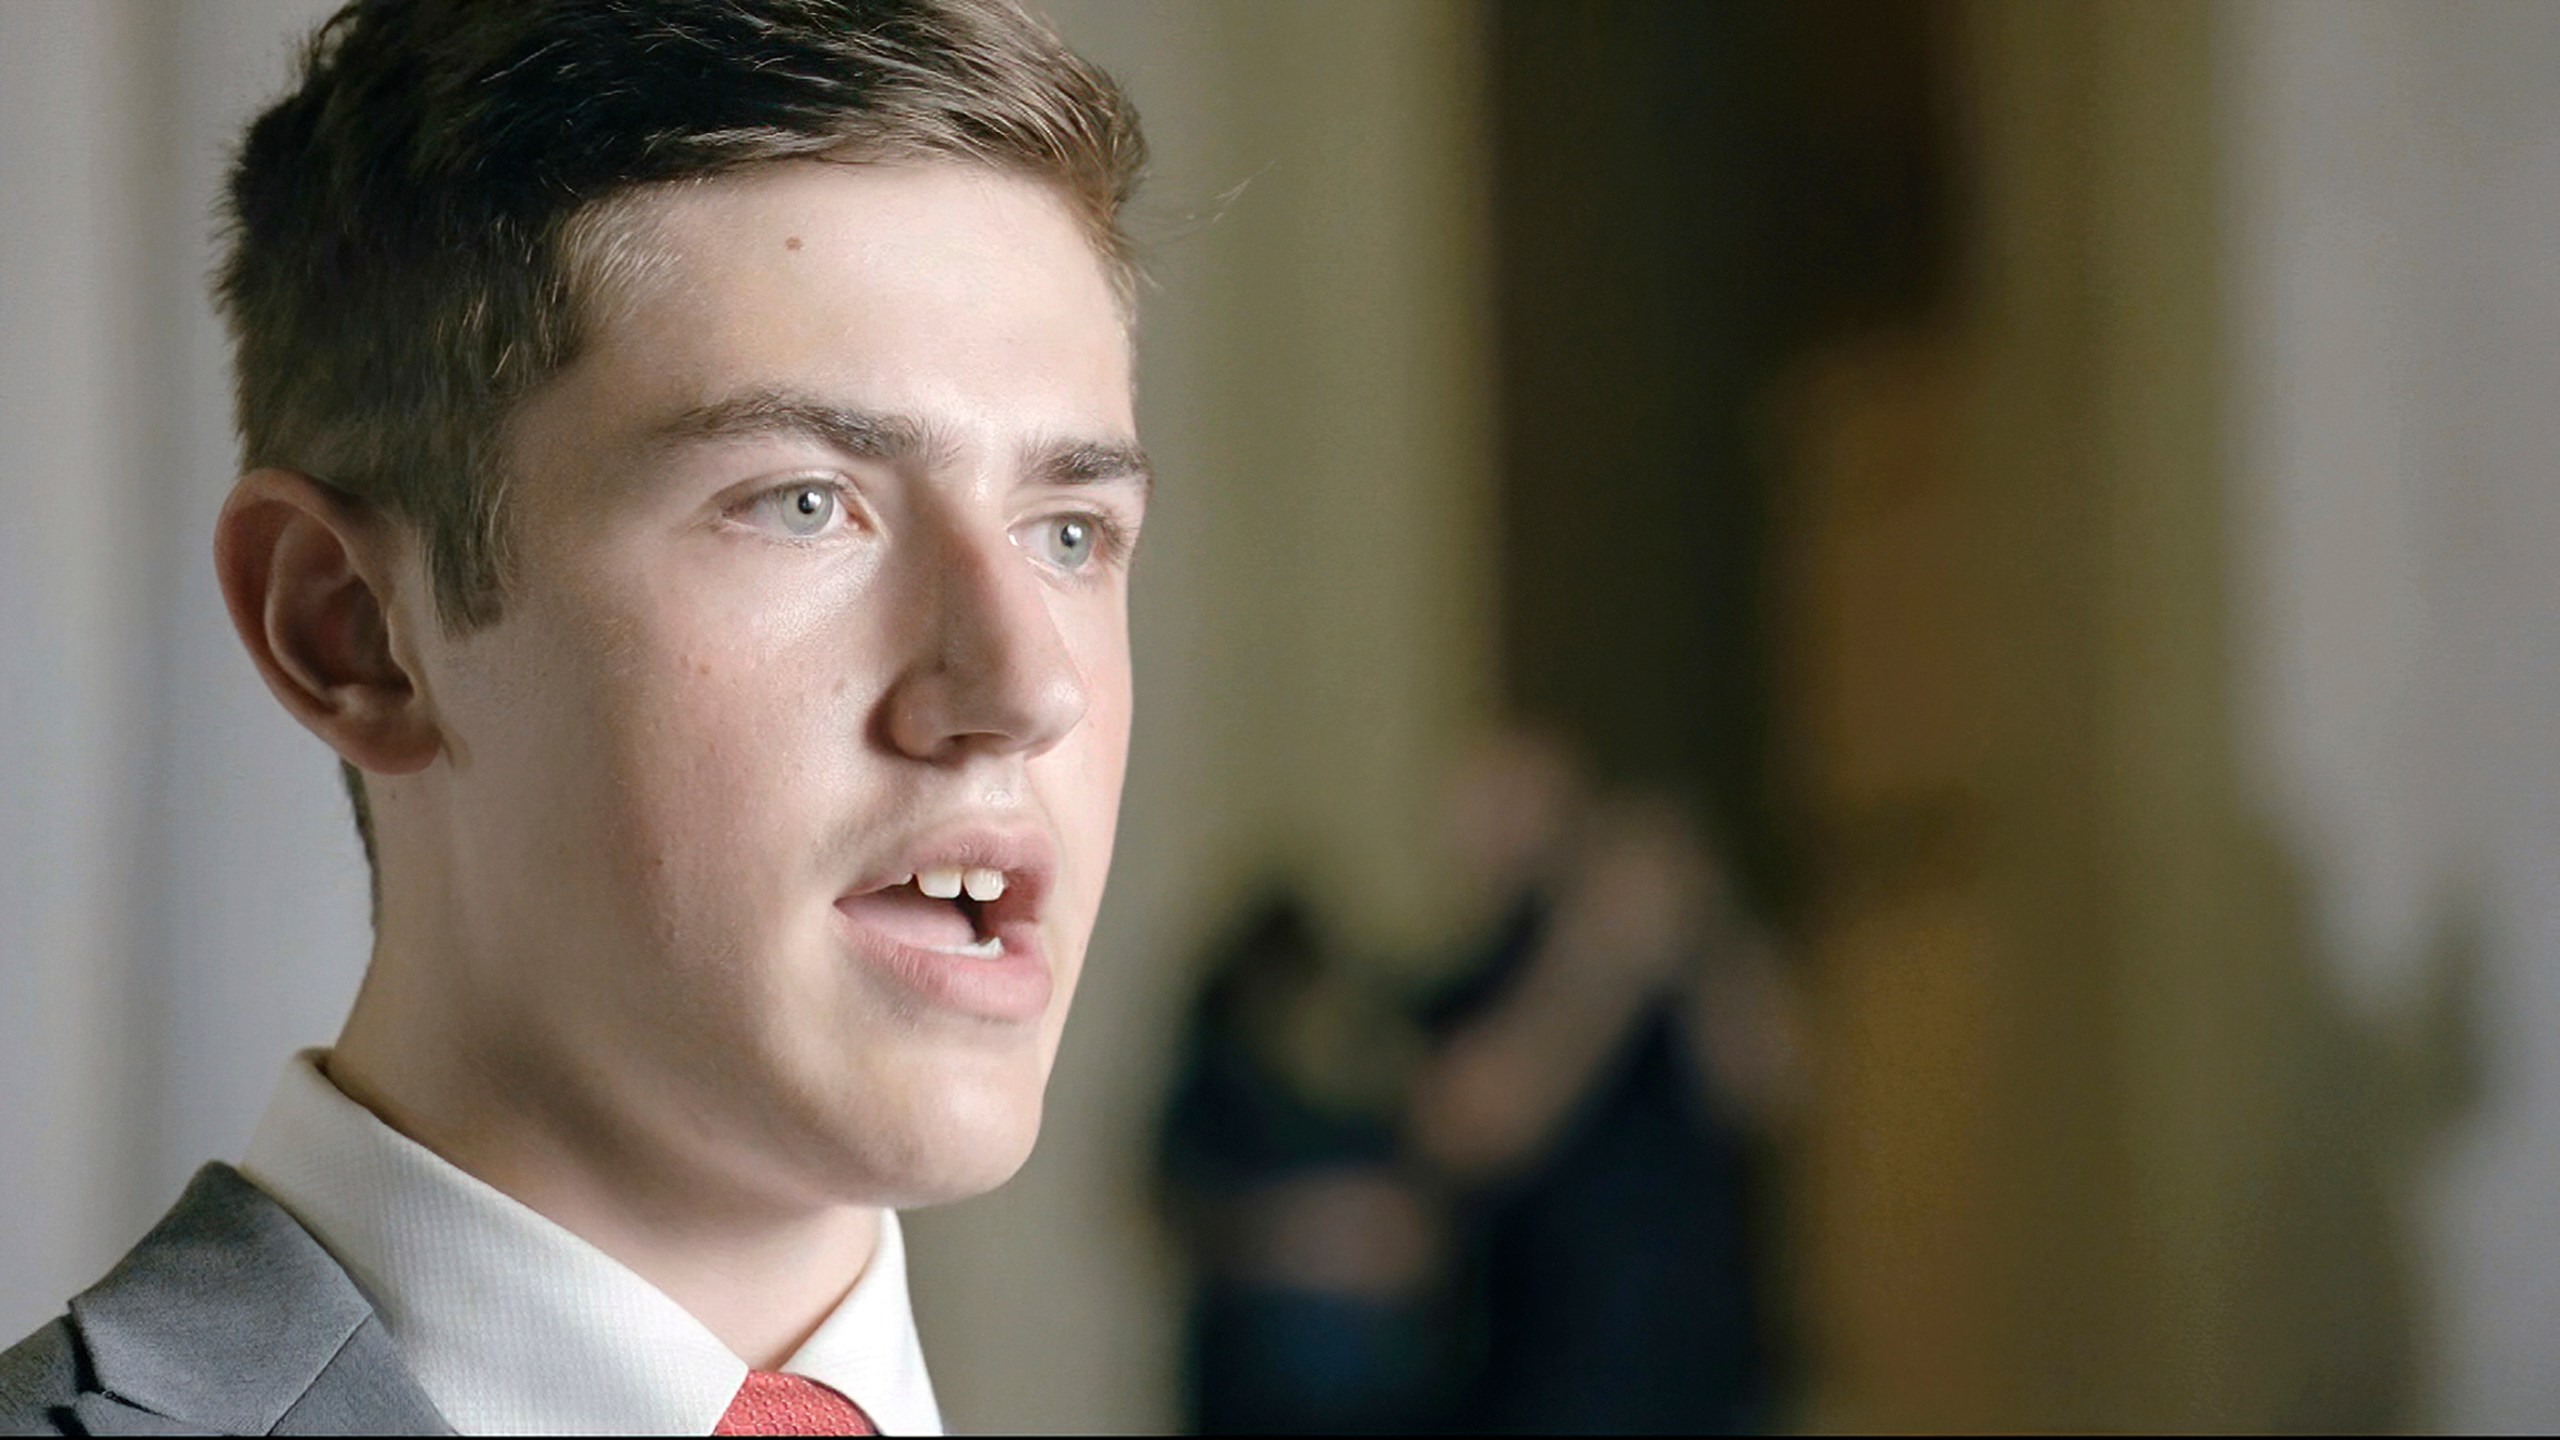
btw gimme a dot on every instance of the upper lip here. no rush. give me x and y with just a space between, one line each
1022 853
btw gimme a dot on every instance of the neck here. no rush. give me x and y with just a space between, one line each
760 1273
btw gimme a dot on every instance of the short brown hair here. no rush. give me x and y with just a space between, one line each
418 230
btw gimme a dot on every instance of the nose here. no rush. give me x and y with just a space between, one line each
989 673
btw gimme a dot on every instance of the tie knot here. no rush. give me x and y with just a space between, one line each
772 1403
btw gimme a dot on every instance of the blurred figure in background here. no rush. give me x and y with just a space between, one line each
1314 1251
1605 1073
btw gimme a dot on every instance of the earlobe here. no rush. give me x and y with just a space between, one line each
306 573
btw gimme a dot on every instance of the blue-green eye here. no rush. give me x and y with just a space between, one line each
1067 541
803 511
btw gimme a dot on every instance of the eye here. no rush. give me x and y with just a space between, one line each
801 510
1067 541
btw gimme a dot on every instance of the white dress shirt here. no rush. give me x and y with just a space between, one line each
514 1326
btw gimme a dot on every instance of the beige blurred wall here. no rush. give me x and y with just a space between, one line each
2199 1071
67 708
2392 193
181 898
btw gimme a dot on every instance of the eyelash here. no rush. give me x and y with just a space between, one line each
1113 540
775 494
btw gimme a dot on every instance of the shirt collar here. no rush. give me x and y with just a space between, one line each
513 1325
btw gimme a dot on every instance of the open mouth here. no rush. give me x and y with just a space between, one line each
957 925
948 911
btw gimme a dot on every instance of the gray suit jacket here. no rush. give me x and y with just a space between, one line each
228 1319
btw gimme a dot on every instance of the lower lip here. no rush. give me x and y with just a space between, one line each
1012 985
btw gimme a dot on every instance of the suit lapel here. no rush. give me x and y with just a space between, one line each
229 1318
362 1389
107 1415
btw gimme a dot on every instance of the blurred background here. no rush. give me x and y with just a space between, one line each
1922 634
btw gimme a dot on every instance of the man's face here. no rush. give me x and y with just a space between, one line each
820 582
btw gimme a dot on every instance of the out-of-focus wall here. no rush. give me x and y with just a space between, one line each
2213 1087
2392 196
67 690
181 900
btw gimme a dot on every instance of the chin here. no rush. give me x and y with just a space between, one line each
962 1176
963 1140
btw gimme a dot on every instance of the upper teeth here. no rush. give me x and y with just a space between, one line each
947 882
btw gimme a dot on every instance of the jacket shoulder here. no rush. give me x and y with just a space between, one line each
227 1319
39 1380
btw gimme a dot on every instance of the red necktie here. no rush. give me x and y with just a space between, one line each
771 1403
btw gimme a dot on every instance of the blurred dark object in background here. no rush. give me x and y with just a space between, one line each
1540 1208
1609 1061
1313 1248
1686 199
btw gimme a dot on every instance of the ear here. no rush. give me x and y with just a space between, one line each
306 572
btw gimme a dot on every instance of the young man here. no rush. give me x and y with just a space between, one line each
691 483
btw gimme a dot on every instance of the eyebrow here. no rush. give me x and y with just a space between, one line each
1090 462
891 438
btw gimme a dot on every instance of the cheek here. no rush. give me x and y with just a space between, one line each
729 732
1087 773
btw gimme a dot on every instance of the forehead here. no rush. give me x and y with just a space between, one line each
958 293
